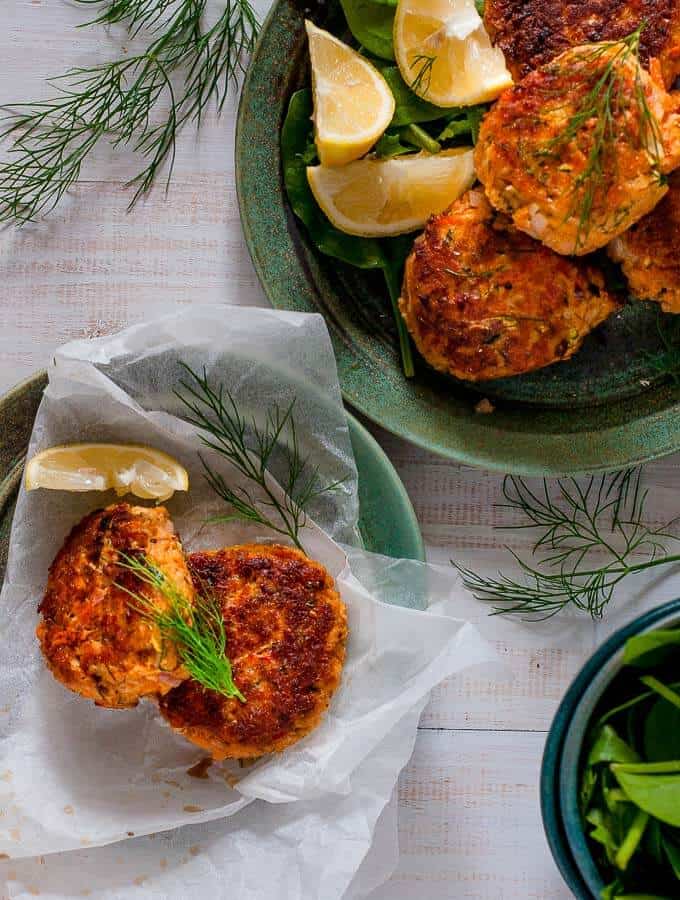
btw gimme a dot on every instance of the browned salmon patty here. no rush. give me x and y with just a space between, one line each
533 32
483 300
545 160
286 628
93 639
649 252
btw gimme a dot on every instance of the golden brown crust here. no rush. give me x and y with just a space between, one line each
94 642
286 630
534 170
533 32
649 252
482 300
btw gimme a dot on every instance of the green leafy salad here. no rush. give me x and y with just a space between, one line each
630 780
416 126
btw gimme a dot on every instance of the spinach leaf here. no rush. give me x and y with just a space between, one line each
609 747
391 145
589 780
409 108
647 650
632 838
365 253
673 853
462 122
602 832
371 22
656 794
388 254
661 732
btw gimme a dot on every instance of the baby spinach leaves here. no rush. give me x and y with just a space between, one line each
371 23
298 152
388 254
630 778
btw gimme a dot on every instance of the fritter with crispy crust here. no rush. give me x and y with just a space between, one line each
482 300
573 168
286 628
94 641
533 32
649 252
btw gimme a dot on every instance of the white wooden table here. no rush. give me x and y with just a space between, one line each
469 813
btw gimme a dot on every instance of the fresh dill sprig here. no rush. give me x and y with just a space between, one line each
184 67
196 627
578 523
423 77
250 448
603 105
666 361
136 14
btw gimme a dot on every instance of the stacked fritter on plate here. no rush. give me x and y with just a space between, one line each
285 626
575 157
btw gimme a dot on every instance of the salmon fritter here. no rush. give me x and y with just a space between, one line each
533 32
577 152
94 641
649 252
286 628
483 300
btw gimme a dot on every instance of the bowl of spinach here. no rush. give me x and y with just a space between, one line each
610 781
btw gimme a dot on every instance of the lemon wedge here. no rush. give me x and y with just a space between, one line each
376 198
127 468
444 53
353 104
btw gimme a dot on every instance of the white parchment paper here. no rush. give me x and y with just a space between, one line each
74 776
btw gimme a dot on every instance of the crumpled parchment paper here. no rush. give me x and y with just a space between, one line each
74 776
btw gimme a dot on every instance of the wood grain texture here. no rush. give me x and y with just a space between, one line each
469 817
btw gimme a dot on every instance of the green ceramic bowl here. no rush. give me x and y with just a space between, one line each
563 749
387 521
604 409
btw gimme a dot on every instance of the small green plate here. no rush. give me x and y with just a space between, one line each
605 409
387 522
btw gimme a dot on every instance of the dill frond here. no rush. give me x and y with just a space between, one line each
183 68
578 525
666 361
602 106
250 449
423 77
195 628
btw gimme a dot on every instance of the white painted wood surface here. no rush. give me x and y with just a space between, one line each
469 815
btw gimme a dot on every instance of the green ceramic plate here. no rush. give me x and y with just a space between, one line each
604 409
387 522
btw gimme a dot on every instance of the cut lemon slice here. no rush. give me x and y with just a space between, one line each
445 55
127 468
353 103
374 198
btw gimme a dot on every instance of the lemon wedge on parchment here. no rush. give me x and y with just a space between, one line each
127 468
381 197
445 55
353 104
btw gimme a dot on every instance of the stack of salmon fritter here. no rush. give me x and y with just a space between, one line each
576 158
285 626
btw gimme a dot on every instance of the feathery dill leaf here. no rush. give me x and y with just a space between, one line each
136 14
666 361
250 448
579 525
604 104
423 77
141 101
195 628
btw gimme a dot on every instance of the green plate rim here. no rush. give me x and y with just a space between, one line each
521 440
387 521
